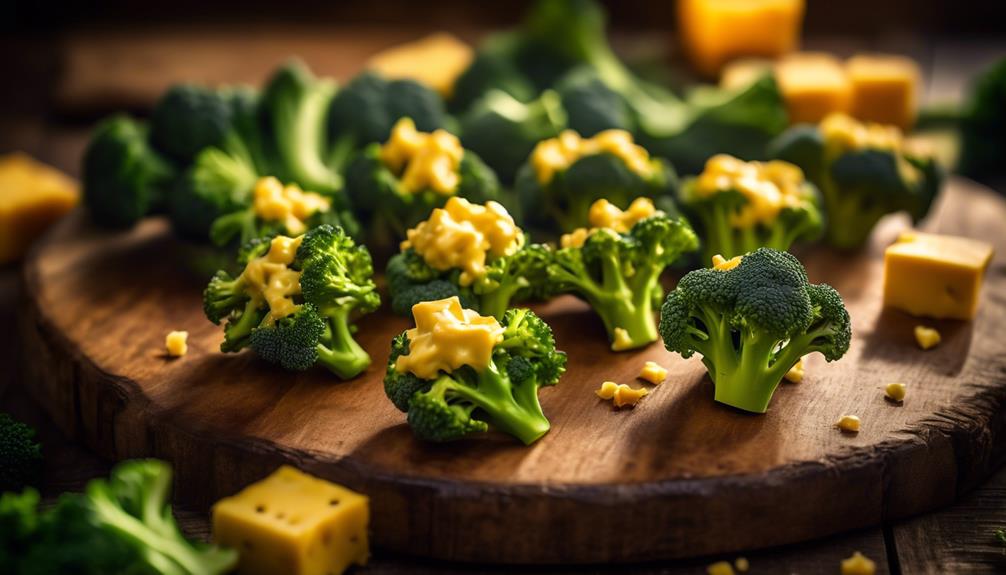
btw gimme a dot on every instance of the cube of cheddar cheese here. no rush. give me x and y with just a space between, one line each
813 85
935 275
32 197
884 89
295 524
436 60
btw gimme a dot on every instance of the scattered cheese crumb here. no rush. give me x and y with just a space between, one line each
177 343
926 337
858 564
621 394
622 340
720 568
849 423
607 390
895 391
653 373
741 564
723 264
795 373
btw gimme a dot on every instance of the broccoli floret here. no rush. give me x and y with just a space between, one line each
366 109
983 124
219 182
188 119
411 280
503 395
860 186
294 108
563 203
591 106
124 178
388 210
619 274
120 525
752 323
20 455
493 68
503 130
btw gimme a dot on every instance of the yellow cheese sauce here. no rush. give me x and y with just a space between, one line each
269 277
423 160
845 133
463 235
769 187
606 215
557 154
275 202
447 337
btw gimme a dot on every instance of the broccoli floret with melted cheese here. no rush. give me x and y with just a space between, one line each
752 322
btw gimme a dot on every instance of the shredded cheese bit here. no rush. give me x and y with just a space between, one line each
176 343
271 280
720 568
895 392
795 373
653 373
622 341
274 202
607 390
447 337
849 423
463 235
742 564
722 264
927 337
558 154
858 564
621 394
423 160
574 239
768 187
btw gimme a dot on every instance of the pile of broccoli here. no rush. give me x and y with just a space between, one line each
119 525
860 184
752 323
336 283
466 401
20 455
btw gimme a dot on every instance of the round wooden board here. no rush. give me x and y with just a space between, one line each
677 476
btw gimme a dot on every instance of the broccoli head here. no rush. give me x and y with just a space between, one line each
618 272
493 68
555 196
20 455
124 178
396 185
469 398
752 322
983 125
743 206
189 118
295 301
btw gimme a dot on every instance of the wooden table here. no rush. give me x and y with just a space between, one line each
958 539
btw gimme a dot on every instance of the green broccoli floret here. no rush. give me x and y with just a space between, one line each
366 109
753 323
860 186
591 106
336 285
562 204
120 525
411 280
124 178
493 68
619 274
503 130
294 110
20 455
467 401
730 223
188 119
983 124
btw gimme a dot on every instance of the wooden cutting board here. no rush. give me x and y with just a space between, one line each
677 476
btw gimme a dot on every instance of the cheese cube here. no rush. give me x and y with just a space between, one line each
813 85
716 31
935 276
32 197
293 523
436 60
884 89
743 72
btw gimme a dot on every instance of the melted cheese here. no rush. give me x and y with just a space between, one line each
574 239
423 160
270 279
604 214
769 187
274 202
447 337
463 235
844 133
558 154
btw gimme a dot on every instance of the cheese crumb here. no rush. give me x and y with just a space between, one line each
622 340
622 394
895 392
723 264
926 337
848 424
177 343
742 565
858 564
607 390
795 373
720 568
653 373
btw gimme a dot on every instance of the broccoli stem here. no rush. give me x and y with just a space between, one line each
515 411
850 220
342 355
720 235
749 383
497 301
236 333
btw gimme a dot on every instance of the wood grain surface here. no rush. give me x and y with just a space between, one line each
677 476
